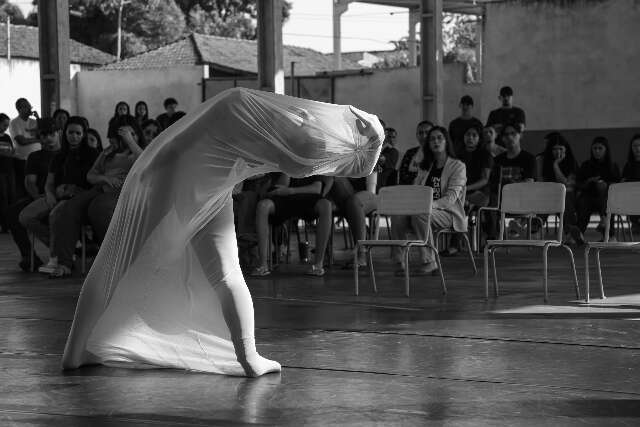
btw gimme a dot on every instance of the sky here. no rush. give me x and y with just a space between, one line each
364 26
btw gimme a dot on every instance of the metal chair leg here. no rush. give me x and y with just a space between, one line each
371 272
586 273
486 272
545 268
32 255
599 273
83 257
473 261
573 269
355 266
495 271
439 264
406 271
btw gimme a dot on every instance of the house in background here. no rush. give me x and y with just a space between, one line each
20 65
191 70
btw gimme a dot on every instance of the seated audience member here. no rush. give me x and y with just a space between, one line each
23 130
61 116
150 129
440 170
245 204
507 113
295 198
7 174
557 164
66 178
592 181
388 160
107 175
459 125
171 115
94 140
631 172
478 163
355 199
413 156
514 165
489 136
36 172
122 109
141 113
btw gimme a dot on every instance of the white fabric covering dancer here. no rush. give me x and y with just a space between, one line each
166 289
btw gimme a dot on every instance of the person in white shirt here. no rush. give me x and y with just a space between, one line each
24 132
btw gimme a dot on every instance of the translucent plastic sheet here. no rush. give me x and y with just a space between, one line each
150 301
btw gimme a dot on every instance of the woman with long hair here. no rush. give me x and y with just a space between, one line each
631 172
442 171
122 109
141 112
593 180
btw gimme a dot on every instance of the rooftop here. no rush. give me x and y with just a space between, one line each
25 44
226 54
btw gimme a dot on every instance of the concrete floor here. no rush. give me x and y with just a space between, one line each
374 359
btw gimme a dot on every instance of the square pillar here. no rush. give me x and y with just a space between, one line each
339 7
431 61
270 69
414 19
53 30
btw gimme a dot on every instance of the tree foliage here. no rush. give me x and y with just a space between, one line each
7 9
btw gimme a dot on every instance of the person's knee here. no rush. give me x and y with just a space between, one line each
323 208
25 217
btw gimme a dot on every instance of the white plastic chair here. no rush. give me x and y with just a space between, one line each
399 200
623 199
529 198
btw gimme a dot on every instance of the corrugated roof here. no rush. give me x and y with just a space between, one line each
233 54
24 44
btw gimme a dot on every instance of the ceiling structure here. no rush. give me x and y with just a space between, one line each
472 7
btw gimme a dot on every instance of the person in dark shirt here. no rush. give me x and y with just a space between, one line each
170 116
387 172
67 176
557 164
295 198
479 164
413 156
7 173
36 171
631 172
459 125
122 109
507 113
593 180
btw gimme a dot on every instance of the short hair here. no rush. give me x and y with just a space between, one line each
169 101
21 101
3 116
424 122
506 91
47 126
150 122
514 125
466 100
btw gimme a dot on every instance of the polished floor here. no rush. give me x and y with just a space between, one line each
369 360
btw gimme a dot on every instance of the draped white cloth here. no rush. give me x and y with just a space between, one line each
149 300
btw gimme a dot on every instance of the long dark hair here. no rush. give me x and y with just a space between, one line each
568 165
115 110
428 158
630 157
141 119
607 154
64 143
96 135
131 121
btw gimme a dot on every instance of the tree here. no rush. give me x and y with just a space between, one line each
7 9
228 18
459 36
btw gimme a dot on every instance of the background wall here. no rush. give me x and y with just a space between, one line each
573 66
98 92
20 78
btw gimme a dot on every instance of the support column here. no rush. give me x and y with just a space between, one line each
339 7
431 60
270 69
414 19
53 30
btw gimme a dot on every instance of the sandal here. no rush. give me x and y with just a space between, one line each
60 271
260 272
315 271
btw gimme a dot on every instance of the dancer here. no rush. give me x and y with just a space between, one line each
166 289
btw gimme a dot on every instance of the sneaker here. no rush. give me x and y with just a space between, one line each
50 266
60 271
260 272
315 271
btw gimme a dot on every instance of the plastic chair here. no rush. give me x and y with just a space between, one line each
529 198
623 199
399 200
